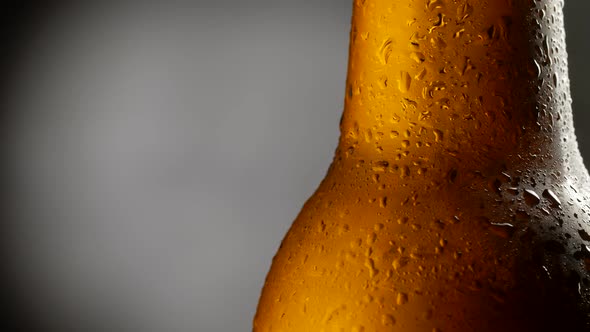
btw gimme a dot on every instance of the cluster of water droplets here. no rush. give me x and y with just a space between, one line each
443 184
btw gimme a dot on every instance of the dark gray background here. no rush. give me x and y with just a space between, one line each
161 151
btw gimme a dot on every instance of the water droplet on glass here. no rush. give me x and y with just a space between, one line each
371 238
538 70
504 230
418 57
387 320
421 74
531 197
434 4
438 135
463 12
438 22
512 190
385 51
370 264
404 82
584 235
550 195
402 298
438 43
398 263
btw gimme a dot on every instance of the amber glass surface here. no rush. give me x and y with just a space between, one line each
457 199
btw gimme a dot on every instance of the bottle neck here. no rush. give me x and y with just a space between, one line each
466 82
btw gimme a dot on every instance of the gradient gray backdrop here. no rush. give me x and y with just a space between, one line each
159 153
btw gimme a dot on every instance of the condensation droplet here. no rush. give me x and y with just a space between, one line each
421 74
418 57
538 70
438 135
512 190
383 82
405 82
438 42
584 235
388 320
402 298
404 172
398 263
370 264
438 22
434 4
550 195
463 12
385 51
531 197
371 238
504 230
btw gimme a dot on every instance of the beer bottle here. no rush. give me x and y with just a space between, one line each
457 199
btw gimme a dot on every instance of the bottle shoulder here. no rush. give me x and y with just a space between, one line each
469 241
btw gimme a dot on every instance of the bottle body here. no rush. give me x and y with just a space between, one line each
457 199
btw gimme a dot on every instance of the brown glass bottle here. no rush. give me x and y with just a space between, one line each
457 199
